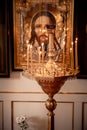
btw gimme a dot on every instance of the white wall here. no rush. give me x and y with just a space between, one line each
18 82
22 96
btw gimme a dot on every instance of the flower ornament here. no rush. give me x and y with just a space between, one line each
21 121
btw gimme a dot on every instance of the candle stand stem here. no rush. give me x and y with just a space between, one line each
50 105
51 87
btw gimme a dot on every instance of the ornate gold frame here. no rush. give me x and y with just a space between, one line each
28 10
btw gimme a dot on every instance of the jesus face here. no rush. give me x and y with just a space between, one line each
41 29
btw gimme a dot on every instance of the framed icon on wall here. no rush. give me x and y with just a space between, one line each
4 39
25 13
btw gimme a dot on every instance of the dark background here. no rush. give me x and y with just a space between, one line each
80 30
4 39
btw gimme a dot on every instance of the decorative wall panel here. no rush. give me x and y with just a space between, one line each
70 114
34 112
1 115
84 115
65 118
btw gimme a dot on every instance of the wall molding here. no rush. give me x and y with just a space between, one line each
18 92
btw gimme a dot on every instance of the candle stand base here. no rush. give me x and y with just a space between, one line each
51 87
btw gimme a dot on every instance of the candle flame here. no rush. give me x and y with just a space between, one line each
72 43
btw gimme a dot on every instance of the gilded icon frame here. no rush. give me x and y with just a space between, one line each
31 7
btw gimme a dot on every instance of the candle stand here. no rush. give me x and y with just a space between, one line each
51 76
50 62
51 87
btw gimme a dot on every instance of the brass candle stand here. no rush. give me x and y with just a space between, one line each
50 75
51 87
50 62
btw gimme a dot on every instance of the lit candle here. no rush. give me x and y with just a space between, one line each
21 30
42 52
63 53
28 49
39 54
76 53
72 56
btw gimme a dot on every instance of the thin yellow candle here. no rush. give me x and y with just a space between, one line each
28 49
42 52
39 54
63 53
72 56
76 53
